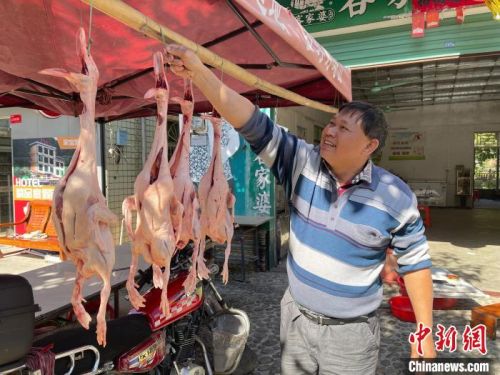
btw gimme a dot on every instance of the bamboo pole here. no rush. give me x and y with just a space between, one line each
138 21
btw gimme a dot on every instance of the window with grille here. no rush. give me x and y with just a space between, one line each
124 162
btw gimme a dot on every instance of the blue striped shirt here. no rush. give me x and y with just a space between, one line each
338 241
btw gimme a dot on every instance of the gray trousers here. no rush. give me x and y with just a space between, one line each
310 348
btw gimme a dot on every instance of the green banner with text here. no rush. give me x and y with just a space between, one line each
320 15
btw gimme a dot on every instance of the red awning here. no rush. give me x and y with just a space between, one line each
40 34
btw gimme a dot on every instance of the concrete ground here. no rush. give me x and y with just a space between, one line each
260 297
466 242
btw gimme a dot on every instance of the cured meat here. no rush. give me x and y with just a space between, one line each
217 205
183 185
159 212
82 219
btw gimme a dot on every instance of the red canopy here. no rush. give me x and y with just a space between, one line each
40 34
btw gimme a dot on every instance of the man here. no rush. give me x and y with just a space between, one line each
345 212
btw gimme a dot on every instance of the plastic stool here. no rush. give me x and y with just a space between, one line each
487 315
427 214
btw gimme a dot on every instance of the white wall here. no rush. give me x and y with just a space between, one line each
292 117
449 141
448 128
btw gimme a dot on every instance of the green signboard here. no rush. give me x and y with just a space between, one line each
253 183
320 15
254 189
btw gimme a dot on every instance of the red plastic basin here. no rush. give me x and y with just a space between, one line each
402 288
444 303
438 303
401 306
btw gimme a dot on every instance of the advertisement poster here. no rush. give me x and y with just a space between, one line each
38 165
406 146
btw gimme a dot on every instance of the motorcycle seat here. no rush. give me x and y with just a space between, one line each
122 335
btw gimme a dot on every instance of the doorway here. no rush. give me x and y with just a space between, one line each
486 170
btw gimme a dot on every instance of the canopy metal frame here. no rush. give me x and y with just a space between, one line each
106 87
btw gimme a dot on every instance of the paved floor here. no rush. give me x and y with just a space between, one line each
487 203
466 242
260 297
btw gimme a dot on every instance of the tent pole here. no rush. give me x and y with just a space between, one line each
131 17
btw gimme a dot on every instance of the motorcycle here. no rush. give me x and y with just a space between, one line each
146 341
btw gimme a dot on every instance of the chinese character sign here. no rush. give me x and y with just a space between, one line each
253 183
263 183
262 176
406 146
398 4
356 8
322 15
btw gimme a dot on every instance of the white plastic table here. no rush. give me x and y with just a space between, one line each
448 285
53 284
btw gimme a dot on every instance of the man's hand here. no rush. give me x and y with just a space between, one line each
183 62
236 109
389 274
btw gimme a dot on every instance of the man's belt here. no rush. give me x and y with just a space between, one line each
328 321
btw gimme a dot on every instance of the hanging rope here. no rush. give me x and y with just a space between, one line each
162 37
89 39
214 111
41 359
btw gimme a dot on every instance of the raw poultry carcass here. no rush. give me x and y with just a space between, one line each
159 212
183 185
82 219
217 205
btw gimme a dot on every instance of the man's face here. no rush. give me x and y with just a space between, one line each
343 142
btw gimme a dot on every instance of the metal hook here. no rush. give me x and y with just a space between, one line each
222 71
161 35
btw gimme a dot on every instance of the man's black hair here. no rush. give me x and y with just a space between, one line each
373 120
